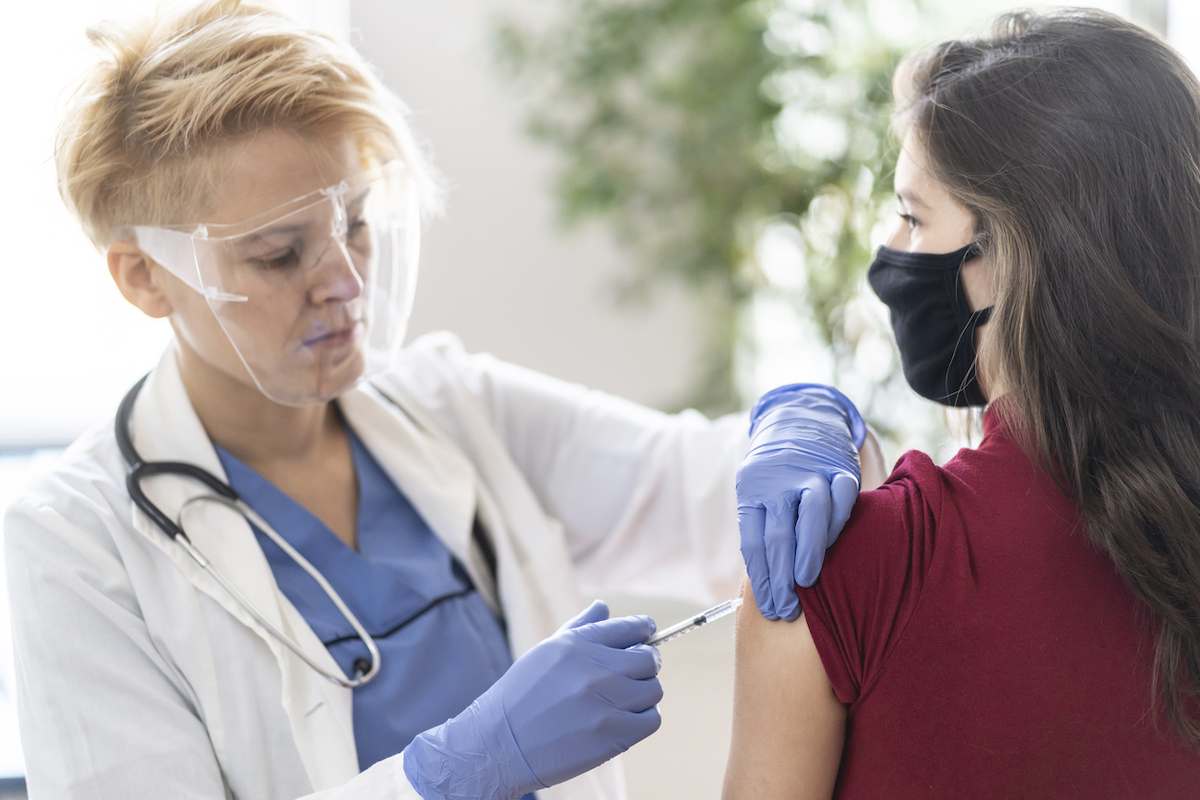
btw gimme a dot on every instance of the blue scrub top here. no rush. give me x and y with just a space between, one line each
441 646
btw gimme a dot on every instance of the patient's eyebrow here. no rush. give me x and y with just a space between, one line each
910 199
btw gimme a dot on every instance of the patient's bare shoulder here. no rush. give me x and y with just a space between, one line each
872 461
788 726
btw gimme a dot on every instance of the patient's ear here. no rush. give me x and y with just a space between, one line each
138 278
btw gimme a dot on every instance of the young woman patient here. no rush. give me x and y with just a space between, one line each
1025 620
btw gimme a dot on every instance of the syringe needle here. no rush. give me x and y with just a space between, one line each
690 624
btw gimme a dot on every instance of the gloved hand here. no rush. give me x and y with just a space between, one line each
796 488
571 703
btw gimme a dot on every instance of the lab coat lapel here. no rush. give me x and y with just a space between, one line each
435 477
165 427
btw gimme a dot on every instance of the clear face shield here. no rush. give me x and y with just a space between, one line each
315 294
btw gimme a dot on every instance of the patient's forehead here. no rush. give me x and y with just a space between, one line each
257 173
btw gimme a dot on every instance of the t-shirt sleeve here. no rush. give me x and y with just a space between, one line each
872 578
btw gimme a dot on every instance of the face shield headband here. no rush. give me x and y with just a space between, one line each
315 294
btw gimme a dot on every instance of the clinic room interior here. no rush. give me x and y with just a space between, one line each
667 202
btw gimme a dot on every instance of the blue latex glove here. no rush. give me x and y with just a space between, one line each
796 489
575 700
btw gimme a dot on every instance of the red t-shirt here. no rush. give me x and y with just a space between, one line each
984 648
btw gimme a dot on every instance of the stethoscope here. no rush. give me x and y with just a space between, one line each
225 495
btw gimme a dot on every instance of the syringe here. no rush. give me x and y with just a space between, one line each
690 624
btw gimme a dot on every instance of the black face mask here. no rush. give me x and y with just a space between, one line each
934 327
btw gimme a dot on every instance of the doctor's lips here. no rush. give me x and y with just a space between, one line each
321 335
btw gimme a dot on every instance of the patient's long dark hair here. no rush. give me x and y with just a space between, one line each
1074 138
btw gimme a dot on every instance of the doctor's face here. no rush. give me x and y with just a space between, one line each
285 305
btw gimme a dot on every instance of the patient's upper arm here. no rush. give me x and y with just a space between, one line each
788 727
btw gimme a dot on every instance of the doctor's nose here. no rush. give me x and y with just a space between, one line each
335 278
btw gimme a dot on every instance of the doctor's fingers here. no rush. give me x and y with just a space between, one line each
752 519
595 612
638 662
812 533
844 491
629 694
619 632
629 728
783 549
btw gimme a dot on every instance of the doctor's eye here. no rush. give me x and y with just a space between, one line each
909 219
285 258
358 236
357 226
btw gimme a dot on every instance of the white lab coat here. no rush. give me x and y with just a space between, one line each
138 677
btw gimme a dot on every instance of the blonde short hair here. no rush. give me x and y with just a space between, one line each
137 142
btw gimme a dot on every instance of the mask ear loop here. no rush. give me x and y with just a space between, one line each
967 393
970 382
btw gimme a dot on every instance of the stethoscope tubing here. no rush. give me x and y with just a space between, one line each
225 494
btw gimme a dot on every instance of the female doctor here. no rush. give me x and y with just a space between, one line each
273 578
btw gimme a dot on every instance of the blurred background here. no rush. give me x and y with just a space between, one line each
670 200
